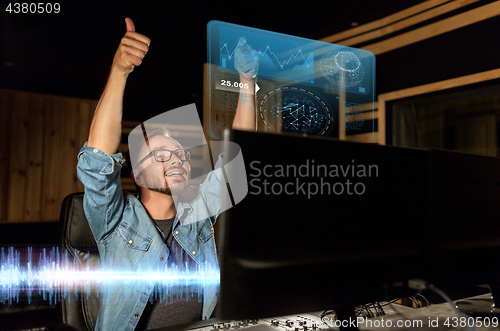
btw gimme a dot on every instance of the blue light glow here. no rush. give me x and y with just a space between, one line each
333 78
57 274
257 54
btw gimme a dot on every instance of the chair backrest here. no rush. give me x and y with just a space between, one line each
79 311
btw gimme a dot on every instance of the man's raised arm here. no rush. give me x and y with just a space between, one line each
105 130
247 64
244 118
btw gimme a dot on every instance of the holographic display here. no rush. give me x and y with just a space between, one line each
277 57
343 68
301 85
295 110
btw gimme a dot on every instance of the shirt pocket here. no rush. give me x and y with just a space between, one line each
206 231
132 238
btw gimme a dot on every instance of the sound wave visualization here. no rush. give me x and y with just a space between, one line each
56 275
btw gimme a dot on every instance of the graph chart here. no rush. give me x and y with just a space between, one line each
301 85
276 57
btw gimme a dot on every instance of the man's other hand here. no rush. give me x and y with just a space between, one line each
131 51
246 60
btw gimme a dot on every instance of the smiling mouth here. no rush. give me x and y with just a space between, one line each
175 173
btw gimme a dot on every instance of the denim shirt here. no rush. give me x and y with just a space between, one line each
127 238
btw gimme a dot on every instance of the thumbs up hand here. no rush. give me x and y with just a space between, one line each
132 49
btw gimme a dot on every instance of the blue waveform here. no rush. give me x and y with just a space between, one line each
261 54
57 275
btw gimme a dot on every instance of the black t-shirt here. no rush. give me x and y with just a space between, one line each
179 307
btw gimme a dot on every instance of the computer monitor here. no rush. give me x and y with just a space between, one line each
328 224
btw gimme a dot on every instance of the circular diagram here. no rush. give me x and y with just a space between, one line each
296 110
342 68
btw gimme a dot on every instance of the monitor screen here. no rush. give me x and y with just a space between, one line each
329 223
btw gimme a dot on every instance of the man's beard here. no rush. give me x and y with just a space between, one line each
156 185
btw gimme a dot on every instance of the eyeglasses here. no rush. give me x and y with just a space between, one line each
164 155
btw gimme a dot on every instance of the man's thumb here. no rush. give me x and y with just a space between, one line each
130 25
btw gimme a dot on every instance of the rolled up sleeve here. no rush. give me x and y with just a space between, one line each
103 201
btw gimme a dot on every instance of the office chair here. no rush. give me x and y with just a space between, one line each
78 312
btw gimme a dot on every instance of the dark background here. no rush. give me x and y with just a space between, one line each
70 53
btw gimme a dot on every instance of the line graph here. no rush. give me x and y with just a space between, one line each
262 54
277 57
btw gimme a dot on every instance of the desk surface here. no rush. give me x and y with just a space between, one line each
439 317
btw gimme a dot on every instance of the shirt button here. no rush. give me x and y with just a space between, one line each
161 258
194 252
212 229
136 315
95 150
130 241
176 232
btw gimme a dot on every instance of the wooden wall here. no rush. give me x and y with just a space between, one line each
40 136
434 46
433 26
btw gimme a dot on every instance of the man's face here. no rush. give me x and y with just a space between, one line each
170 177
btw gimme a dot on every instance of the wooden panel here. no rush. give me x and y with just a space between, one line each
381 125
367 116
206 108
83 119
437 28
6 110
33 192
477 135
428 88
369 137
128 126
369 106
407 22
426 5
18 154
438 86
342 111
128 184
123 147
66 176
40 136
52 142
381 121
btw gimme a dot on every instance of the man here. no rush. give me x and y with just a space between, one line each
153 231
